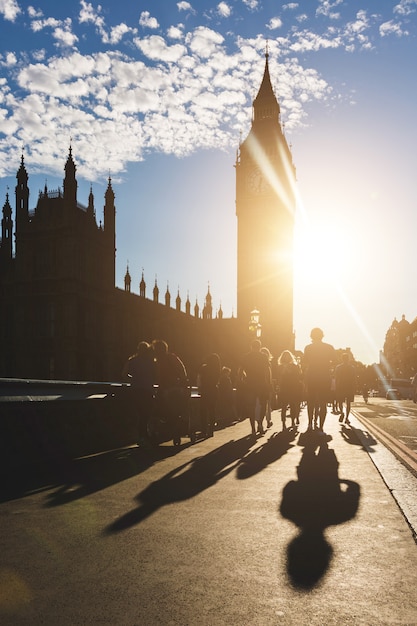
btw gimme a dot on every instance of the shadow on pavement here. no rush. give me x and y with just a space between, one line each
358 437
74 479
273 449
184 482
316 500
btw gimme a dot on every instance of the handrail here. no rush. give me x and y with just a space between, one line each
38 390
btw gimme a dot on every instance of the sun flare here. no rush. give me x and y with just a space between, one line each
321 254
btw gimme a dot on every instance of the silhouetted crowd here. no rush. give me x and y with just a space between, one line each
161 391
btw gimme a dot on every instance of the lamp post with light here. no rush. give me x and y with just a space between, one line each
255 328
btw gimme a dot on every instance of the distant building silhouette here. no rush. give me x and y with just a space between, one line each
400 349
61 315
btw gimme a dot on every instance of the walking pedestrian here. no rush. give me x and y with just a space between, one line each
172 394
345 386
268 407
139 370
226 407
318 360
289 387
256 374
208 387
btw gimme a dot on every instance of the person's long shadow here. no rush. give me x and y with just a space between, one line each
316 500
184 482
273 449
359 437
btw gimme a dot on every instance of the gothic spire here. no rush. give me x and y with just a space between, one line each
265 105
142 286
22 175
6 230
128 279
70 182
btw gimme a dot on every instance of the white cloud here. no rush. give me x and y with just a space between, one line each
61 30
301 18
308 41
185 6
204 41
406 7
9 9
38 25
176 32
39 55
89 15
325 7
224 9
63 34
117 33
10 59
119 106
32 12
274 23
251 4
391 28
147 21
155 48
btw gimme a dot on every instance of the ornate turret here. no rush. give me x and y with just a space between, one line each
167 297
109 211
90 209
70 182
22 199
128 279
178 301
6 231
156 292
142 287
110 232
208 307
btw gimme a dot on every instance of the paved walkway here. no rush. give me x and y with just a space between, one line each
291 529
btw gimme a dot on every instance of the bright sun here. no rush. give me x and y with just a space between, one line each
321 253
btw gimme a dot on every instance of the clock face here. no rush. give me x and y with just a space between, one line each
256 182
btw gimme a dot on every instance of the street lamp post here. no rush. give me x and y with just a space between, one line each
255 328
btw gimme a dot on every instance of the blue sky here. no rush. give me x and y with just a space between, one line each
158 93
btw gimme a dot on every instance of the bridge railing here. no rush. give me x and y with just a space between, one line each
53 421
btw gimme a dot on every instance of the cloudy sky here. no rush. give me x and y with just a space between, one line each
158 93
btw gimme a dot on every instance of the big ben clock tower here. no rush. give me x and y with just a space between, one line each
265 209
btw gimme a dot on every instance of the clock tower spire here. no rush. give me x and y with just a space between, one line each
265 209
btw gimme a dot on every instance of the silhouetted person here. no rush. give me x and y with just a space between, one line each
139 370
226 407
365 393
345 376
290 387
208 386
268 408
172 393
318 360
257 383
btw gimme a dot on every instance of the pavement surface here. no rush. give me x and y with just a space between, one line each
290 529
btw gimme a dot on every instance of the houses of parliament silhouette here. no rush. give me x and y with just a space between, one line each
61 315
